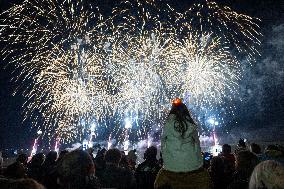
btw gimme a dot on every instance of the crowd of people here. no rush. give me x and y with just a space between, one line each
182 165
77 169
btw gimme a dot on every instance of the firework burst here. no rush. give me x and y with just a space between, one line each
205 71
83 68
240 32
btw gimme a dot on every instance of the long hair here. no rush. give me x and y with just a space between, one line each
182 116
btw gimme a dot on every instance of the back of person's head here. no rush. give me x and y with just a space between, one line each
268 174
226 149
62 154
273 151
22 158
272 147
151 153
113 156
245 162
180 109
131 156
101 153
255 148
37 159
51 157
25 184
242 143
75 164
217 165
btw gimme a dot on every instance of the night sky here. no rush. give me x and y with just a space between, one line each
261 111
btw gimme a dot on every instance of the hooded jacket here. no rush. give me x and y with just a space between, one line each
180 154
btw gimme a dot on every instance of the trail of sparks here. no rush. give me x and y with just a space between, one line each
82 68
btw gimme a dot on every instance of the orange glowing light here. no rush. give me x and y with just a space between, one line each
177 102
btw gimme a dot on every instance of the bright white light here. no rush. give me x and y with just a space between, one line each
93 128
85 145
211 121
128 124
39 132
216 149
125 146
109 145
90 144
149 141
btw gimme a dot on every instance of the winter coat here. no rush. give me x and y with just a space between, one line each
117 177
180 154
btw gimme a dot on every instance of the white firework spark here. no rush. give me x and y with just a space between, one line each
82 67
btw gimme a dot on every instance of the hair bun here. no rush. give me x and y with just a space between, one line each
177 102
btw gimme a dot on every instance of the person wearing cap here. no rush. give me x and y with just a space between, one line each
181 152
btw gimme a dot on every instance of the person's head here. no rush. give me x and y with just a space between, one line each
113 156
25 184
226 149
272 148
182 115
242 143
150 153
273 151
245 162
131 156
255 148
51 157
101 153
22 158
38 159
62 154
74 166
268 174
